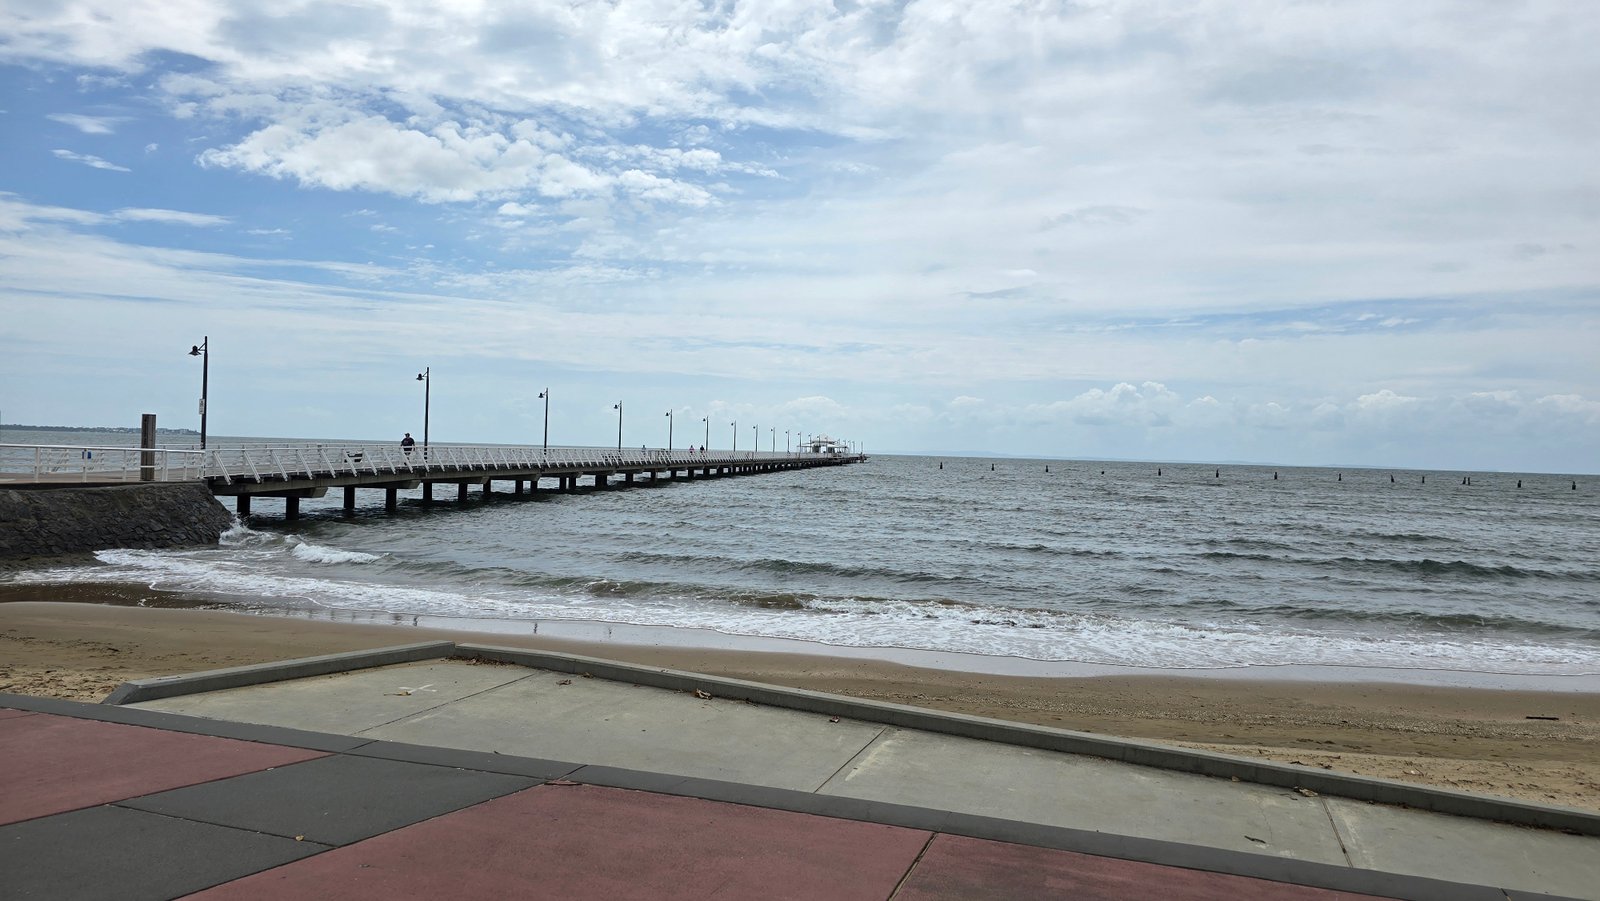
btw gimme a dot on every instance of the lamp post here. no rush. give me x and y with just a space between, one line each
669 431
774 437
735 425
203 351
426 378
707 421
545 396
785 441
618 407
755 443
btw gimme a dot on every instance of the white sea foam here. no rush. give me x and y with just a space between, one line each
253 565
316 553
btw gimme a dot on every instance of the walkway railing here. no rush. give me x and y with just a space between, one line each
281 462
62 464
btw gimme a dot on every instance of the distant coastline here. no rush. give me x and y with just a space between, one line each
121 430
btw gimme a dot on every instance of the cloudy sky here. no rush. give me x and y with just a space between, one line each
1361 232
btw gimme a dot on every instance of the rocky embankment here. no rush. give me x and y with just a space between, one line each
54 521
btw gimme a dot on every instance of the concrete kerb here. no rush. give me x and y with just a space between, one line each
1290 776
240 676
1360 788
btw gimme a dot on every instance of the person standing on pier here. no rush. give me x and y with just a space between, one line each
407 443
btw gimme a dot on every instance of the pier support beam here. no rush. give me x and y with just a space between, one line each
391 499
427 494
242 504
291 508
461 492
349 499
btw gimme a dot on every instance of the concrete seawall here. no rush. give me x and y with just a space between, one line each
53 521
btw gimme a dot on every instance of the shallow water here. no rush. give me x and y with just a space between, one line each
1097 563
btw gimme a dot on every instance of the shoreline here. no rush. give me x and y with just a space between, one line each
606 634
1494 740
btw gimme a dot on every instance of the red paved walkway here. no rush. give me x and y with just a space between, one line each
583 842
56 763
88 810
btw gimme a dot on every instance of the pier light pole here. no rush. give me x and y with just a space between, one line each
545 396
203 351
755 443
735 425
618 407
669 431
707 421
426 378
774 439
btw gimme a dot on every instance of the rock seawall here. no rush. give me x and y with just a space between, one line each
48 522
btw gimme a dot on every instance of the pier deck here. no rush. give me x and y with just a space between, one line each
308 470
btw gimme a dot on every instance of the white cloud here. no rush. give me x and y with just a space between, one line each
89 125
1573 405
169 217
1385 402
89 160
1192 194
1149 404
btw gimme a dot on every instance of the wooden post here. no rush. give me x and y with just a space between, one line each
391 499
147 443
242 504
291 508
349 499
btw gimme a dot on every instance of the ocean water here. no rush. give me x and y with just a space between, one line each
1171 566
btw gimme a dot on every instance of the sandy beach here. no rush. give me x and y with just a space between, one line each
1537 746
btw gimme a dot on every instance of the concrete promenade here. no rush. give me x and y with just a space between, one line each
459 772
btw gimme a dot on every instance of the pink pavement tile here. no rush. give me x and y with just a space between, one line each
52 764
956 867
7 713
583 842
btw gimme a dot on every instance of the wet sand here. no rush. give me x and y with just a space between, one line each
1462 738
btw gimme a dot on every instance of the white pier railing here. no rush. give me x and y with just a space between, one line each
61 464
283 462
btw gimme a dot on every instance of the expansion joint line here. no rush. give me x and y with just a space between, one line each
913 868
853 758
1337 835
442 703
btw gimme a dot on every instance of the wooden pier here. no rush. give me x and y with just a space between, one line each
294 472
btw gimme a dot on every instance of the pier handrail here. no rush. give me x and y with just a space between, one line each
59 463
283 461
286 461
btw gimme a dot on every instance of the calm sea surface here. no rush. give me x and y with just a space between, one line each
1100 563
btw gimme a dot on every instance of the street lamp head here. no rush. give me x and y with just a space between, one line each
421 378
194 350
541 395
